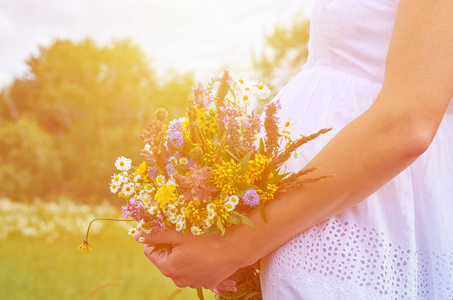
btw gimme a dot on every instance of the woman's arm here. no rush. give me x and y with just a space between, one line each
366 154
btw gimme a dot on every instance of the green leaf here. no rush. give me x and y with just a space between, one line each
210 231
158 247
200 293
262 146
240 193
232 155
181 169
251 295
237 218
277 177
245 186
262 212
244 161
220 227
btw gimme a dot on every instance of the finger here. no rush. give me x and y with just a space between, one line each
139 238
160 259
228 284
164 236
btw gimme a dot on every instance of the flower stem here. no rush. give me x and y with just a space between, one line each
104 219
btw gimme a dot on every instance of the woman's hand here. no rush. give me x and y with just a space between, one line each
195 261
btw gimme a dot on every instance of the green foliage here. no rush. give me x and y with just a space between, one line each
27 151
284 53
78 108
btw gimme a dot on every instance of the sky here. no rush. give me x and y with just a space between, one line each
185 35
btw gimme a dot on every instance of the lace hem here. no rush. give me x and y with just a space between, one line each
339 260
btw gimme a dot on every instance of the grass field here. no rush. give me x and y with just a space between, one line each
35 267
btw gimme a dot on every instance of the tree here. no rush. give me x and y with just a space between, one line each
283 55
87 105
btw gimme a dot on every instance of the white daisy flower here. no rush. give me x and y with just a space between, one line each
137 177
160 179
153 210
173 160
234 199
209 222
173 219
148 188
182 218
229 205
132 231
118 178
171 181
179 226
128 189
148 148
210 206
263 91
211 214
125 178
114 188
286 124
141 225
123 164
195 230
171 210
241 85
183 161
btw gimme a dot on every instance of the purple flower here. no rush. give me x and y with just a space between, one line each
251 198
174 126
170 169
126 213
152 172
134 210
177 139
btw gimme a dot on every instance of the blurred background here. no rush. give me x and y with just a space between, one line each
78 82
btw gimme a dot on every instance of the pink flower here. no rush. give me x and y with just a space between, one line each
251 198
152 172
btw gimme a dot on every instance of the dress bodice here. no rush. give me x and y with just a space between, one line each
352 37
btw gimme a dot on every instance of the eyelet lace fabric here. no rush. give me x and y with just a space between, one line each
338 260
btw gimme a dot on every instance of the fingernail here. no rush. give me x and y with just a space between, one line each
231 288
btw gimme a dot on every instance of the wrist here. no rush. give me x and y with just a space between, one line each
245 243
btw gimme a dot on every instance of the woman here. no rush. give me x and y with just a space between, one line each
381 74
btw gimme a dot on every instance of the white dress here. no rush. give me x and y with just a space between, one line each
396 244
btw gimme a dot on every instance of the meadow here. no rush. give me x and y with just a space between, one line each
39 257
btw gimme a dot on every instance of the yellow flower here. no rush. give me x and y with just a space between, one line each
196 153
211 152
221 210
161 114
225 177
194 212
142 169
166 194
84 247
255 168
121 195
269 193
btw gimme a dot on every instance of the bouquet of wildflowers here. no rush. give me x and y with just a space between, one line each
208 170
